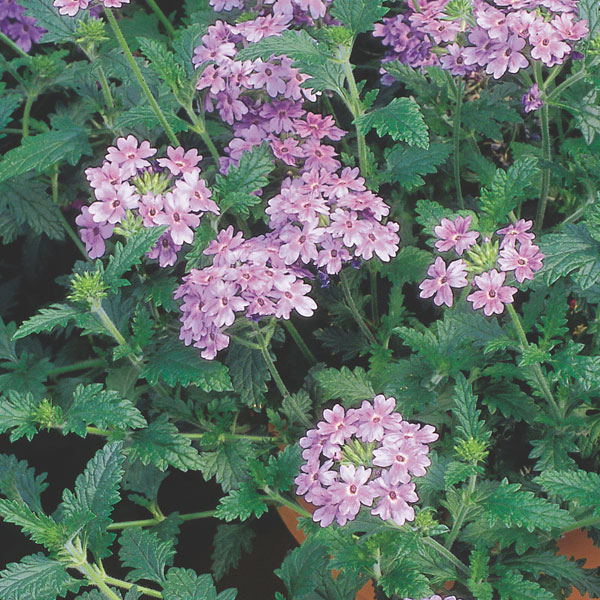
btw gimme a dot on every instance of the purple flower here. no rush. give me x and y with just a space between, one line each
92 233
455 234
492 294
443 280
532 100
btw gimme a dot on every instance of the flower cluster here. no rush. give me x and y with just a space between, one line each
19 28
515 254
72 7
496 36
302 11
436 597
168 192
357 456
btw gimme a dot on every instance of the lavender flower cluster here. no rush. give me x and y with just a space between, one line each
72 7
302 11
354 457
169 192
19 28
498 36
515 254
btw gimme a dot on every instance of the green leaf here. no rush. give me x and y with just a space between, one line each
249 373
468 416
18 481
401 118
18 412
510 400
351 387
515 508
32 207
126 257
512 586
234 191
184 584
38 152
93 405
297 407
296 44
162 445
58 28
39 527
485 114
144 553
175 363
574 485
586 111
358 15
552 451
590 11
229 543
241 504
284 468
228 463
407 165
574 252
430 214
508 187
299 567
163 62
8 104
36 577
56 315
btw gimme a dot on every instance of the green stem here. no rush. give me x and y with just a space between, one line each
354 310
79 366
456 135
582 523
127 586
150 522
107 322
162 17
230 436
4 38
310 357
140 78
67 227
546 149
275 497
27 113
446 554
568 82
373 284
462 514
200 129
110 103
537 370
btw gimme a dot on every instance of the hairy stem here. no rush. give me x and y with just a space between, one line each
104 85
462 515
537 370
27 113
279 499
127 586
78 366
200 128
456 136
546 149
150 522
294 333
162 17
428 541
4 38
140 78
354 309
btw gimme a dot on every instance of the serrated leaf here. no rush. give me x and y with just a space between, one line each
93 405
8 104
56 315
144 553
31 206
401 119
574 485
249 373
284 468
407 165
241 504
297 407
299 567
512 586
513 507
38 152
229 543
296 44
36 577
469 424
574 252
351 387
184 584
162 445
58 28
18 412
510 400
234 191
552 451
228 463
126 257
175 363
39 527
358 15
586 112
508 187
485 115
18 481
163 62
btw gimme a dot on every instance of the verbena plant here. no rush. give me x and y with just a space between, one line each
401 196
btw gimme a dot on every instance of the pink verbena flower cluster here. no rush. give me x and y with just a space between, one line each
514 254
301 11
436 597
357 456
72 7
168 192
499 35
19 28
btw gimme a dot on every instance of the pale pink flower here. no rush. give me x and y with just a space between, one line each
177 216
70 7
338 424
395 497
524 262
375 417
92 233
516 232
353 490
492 294
180 161
129 156
455 234
443 279
295 298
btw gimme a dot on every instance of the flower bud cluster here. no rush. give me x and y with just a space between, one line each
356 457
514 254
168 192
19 28
498 35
